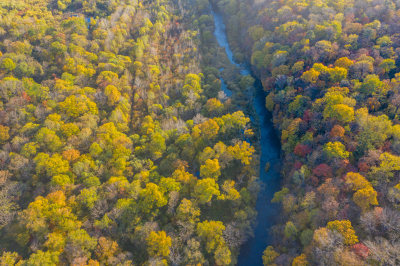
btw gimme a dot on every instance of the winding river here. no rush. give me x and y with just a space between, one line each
251 251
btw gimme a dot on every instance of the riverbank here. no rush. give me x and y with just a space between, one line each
251 251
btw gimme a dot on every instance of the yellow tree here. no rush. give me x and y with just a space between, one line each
205 189
4 133
311 75
211 233
210 169
345 229
269 256
158 244
112 94
365 197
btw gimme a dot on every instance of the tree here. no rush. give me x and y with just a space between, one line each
375 129
336 150
222 255
372 85
205 189
48 139
46 258
269 255
4 133
156 146
214 106
290 230
341 112
57 50
9 258
8 64
71 155
158 244
48 214
106 78
60 181
211 233
302 150
106 249
361 250
79 244
387 64
344 228
112 94
365 197
207 130
51 166
242 151
323 170
188 211
300 260
389 163
256 32
280 195
151 198
76 106
69 129
192 85
362 68
356 181
337 74
211 169
230 193
337 131
344 62
311 76
7 205
88 197
299 105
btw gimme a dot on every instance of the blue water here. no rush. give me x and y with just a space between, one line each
251 252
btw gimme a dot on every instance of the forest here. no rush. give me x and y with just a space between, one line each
118 145
331 71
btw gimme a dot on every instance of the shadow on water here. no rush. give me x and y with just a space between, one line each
251 251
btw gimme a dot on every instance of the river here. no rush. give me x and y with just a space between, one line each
251 252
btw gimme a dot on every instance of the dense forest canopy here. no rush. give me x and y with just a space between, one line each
117 147
332 71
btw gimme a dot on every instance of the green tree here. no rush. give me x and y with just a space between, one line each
151 198
341 112
48 139
375 129
290 230
387 64
336 150
46 258
188 211
8 64
51 165
205 189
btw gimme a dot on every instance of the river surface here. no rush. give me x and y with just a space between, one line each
251 252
